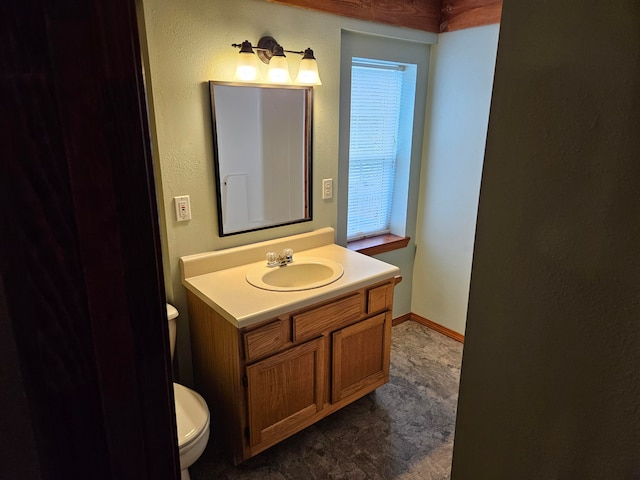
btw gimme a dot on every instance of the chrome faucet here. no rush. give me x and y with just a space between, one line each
280 259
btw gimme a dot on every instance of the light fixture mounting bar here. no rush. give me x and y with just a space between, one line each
266 48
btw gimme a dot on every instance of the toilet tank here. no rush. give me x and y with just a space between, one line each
172 314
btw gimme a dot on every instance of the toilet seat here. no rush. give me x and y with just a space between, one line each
192 415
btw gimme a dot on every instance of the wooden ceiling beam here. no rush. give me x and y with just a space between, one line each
434 16
418 14
460 14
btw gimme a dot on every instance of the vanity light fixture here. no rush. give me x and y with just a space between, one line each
272 53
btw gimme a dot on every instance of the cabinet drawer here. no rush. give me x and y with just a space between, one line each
379 298
265 340
326 318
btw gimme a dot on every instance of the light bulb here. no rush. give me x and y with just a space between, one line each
247 68
308 71
278 70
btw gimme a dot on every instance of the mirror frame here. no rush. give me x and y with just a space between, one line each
307 160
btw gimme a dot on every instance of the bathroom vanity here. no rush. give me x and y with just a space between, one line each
270 363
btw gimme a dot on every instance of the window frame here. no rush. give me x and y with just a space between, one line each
406 190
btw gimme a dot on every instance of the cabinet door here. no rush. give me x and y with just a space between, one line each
284 391
361 357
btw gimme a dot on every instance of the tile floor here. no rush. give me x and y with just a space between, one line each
403 430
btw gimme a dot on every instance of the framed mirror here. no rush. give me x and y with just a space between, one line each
262 153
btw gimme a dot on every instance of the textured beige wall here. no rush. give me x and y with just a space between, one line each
188 45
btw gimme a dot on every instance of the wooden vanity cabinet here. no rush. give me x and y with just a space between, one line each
266 382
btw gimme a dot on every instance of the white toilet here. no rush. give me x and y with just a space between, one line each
192 414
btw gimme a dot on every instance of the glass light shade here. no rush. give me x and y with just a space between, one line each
247 68
278 70
308 72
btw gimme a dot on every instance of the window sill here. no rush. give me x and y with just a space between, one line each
379 244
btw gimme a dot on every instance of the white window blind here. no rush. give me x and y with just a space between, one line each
376 94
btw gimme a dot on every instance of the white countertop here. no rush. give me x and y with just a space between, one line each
228 292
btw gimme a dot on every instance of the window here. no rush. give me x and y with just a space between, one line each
376 107
383 85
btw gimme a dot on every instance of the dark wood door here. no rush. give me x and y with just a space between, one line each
86 376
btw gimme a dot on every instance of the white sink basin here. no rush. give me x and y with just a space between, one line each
302 274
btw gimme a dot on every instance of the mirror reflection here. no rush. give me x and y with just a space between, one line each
262 149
